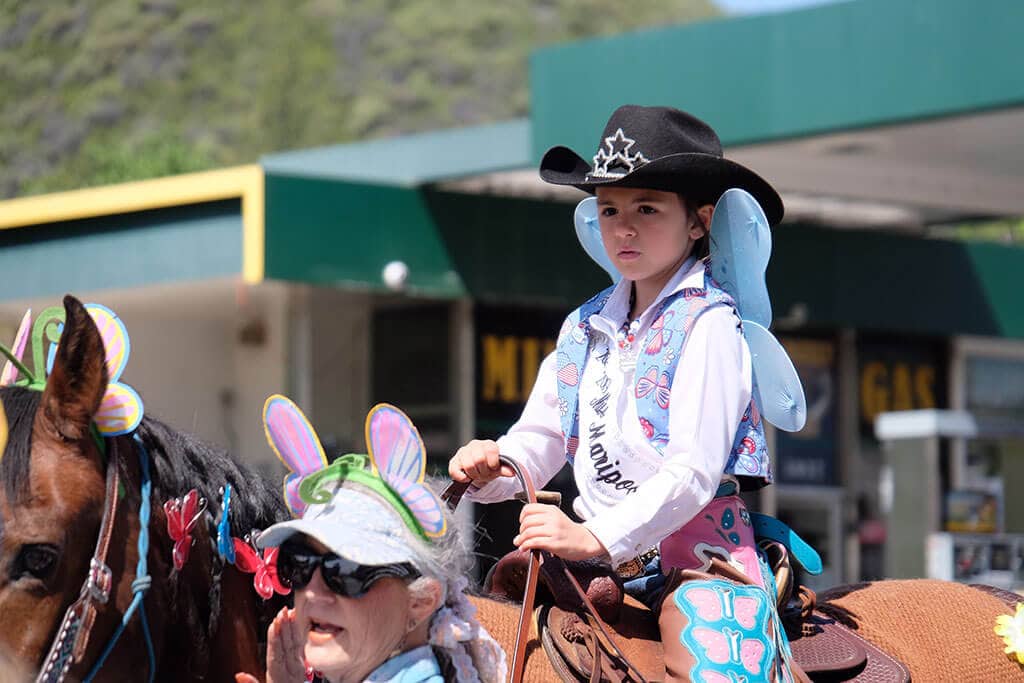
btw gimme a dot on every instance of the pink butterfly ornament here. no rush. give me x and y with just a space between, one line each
121 409
399 457
295 443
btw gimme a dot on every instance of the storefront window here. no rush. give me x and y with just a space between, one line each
995 396
808 457
411 370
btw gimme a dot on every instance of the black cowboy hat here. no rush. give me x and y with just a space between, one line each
660 148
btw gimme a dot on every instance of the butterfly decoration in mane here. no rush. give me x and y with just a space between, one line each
121 409
263 567
182 515
225 544
740 246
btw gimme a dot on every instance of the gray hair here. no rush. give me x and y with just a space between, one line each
442 557
475 655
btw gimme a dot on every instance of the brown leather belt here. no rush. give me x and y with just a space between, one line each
634 567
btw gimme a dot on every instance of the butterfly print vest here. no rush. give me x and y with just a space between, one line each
657 357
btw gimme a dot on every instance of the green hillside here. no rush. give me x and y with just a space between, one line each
111 90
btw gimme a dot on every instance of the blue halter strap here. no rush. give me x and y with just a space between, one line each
142 580
73 633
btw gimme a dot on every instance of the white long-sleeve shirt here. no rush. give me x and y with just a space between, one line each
635 497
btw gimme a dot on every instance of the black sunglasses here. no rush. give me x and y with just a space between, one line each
296 563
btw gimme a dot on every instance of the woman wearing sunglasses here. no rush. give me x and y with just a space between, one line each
378 592
374 601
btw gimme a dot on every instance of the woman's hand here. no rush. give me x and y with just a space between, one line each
546 527
285 644
477 462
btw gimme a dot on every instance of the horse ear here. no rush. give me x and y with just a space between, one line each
78 380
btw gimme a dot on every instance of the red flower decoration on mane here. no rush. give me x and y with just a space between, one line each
182 515
249 560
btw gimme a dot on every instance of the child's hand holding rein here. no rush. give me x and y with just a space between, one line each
546 527
477 462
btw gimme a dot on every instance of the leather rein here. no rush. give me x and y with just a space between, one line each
69 645
452 495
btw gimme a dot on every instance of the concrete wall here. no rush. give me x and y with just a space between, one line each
204 356
205 361
330 371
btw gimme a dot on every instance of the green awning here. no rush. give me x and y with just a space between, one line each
342 234
843 66
337 215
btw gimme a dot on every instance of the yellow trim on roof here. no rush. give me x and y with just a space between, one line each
189 188
243 182
253 231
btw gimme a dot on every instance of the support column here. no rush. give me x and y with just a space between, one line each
910 441
463 394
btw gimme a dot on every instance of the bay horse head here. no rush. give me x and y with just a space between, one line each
67 492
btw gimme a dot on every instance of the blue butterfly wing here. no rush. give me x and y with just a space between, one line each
588 232
777 389
225 544
741 244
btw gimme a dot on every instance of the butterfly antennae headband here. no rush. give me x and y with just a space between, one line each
397 460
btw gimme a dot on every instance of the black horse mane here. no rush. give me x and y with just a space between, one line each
20 406
180 462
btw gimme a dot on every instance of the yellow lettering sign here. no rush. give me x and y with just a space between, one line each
899 386
924 387
500 382
874 391
902 396
509 366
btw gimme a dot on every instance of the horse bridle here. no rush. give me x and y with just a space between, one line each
452 495
72 637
